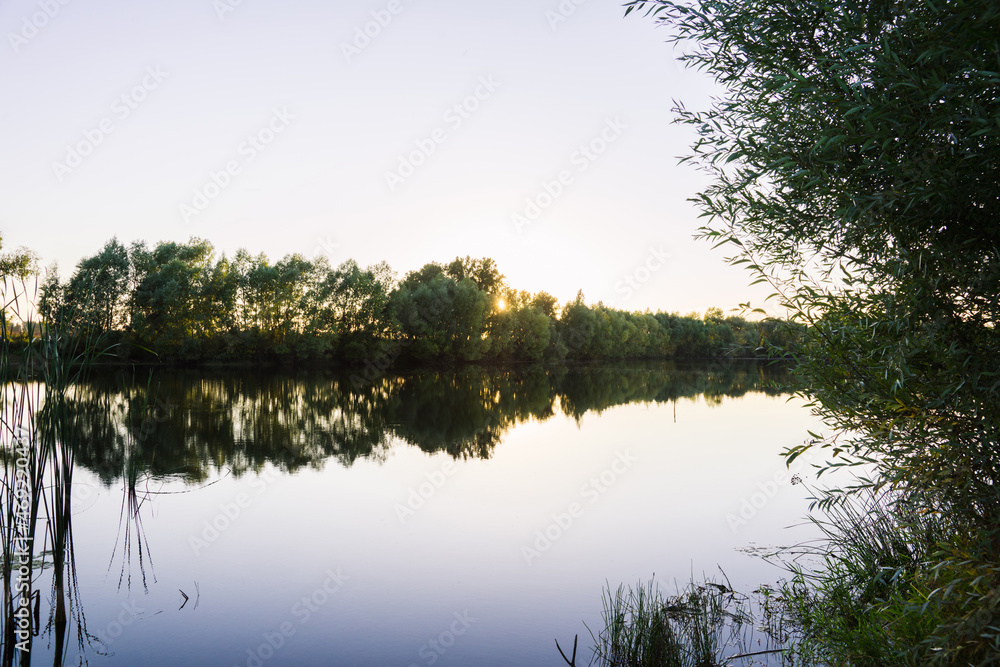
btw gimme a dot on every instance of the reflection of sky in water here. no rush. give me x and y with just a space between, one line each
403 582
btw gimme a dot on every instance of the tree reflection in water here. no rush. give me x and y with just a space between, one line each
196 425
212 421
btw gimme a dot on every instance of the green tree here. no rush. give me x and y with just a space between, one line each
171 299
532 332
51 296
483 272
20 263
546 303
357 301
219 296
855 153
577 328
98 288
441 317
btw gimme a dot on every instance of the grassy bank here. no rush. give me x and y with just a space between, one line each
891 585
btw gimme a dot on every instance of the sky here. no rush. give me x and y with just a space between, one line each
535 132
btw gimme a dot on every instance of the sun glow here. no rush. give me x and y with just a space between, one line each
501 304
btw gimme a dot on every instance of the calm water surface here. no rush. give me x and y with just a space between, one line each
459 518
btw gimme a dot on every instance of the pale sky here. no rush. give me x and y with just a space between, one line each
282 127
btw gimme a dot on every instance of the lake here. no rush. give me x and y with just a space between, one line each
464 517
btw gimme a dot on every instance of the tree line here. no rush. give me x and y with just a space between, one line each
183 302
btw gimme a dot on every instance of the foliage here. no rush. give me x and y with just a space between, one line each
184 303
854 153
20 263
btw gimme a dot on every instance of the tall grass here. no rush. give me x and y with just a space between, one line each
705 624
890 582
19 403
37 372
872 599
20 400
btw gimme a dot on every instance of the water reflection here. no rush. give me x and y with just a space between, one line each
203 422
136 430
